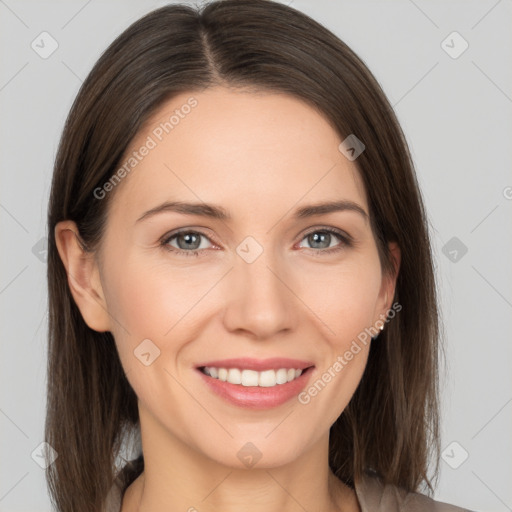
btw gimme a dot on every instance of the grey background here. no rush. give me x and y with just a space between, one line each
456 114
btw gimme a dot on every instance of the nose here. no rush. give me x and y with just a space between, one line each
260 300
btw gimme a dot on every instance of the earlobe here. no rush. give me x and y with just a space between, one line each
83 276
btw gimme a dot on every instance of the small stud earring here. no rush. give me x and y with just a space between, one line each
381 329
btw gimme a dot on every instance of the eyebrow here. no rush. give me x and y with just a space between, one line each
218 212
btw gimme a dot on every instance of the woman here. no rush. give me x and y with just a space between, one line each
291 362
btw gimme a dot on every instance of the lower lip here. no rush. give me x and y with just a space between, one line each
255 397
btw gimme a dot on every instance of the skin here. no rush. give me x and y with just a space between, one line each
260 156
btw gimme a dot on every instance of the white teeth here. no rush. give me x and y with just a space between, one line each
234 376
282 376
266 379
249 378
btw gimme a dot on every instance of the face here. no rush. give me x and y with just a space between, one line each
265 281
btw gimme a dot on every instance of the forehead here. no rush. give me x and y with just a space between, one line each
237 147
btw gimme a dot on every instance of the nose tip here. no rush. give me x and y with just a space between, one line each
258 300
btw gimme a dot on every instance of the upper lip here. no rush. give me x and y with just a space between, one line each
244 363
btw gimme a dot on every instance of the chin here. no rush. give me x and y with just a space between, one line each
259 451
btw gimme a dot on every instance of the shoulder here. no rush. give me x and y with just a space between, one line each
374 496
115 496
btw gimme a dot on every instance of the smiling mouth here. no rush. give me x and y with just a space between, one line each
253 378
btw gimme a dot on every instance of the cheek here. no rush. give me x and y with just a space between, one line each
146 303
343 297
148 299
149 306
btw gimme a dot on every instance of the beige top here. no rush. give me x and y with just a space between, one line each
372 495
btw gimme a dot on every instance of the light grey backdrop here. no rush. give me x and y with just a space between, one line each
455 106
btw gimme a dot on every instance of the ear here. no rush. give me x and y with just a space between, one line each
388 286
83 276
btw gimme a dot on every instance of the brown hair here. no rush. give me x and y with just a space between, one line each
391 423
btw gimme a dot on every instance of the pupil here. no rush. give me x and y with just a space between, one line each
189 238
322 237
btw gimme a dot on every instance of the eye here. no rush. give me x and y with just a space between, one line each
189 243
321 238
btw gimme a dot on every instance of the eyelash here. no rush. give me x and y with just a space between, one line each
345 239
